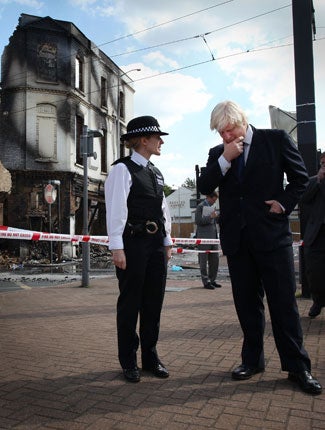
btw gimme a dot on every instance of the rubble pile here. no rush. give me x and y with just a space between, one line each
39 254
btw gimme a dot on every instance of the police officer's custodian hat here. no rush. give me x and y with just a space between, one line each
142 126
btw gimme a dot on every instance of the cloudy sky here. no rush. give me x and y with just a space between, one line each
192 55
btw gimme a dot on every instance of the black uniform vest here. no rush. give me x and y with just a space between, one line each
146 193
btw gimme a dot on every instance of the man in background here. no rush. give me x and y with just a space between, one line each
313 208
206 219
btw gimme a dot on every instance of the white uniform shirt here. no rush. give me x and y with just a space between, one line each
117 189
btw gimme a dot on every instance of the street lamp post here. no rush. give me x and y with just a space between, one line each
87 150
118 109
58 184
179 212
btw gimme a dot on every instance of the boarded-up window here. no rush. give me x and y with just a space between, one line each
46 132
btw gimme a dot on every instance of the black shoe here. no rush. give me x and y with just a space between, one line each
157 369
215 285
306 381
315 310
132 375
245 372
208 286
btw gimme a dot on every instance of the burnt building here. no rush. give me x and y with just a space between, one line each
55 81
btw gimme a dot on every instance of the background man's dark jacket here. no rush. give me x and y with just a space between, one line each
312 205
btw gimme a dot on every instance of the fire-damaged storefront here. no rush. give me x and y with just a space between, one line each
55 84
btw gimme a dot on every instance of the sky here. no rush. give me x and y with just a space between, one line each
192 55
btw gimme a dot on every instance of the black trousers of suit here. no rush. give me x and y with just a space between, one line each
315 263
253 275
142 289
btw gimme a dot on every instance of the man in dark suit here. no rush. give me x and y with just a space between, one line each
312 205
249 168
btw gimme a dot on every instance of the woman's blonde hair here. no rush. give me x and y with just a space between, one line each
132 142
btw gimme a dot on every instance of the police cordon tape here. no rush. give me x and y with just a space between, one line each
16 233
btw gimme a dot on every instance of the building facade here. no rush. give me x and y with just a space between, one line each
55 82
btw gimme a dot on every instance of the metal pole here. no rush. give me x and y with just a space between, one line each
118 116
59 245
50 231
179 212
302 14
59 222
303 20
85 245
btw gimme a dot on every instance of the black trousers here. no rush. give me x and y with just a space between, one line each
315 263
253 275
142 289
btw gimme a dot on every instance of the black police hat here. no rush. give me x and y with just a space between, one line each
142 126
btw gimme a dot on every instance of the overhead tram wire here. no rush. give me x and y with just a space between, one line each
151 28
191 65
201 35
246 51
183 39
164 23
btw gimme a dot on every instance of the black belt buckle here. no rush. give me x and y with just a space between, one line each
151 227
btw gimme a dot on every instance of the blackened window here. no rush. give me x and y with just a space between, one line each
103 92
122 105
103 152
79 130
47 62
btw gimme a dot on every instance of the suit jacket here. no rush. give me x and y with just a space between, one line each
312 207
272 154
206 227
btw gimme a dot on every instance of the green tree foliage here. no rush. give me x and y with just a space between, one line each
167 190
189 183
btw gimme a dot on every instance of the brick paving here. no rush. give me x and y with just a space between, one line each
59 369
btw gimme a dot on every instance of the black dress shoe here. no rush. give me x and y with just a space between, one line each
158 370
306 381
245 372
132 375
215 285
208 286
315 310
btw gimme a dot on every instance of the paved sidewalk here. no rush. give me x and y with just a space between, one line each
59 369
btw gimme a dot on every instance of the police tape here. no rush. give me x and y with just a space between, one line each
16 233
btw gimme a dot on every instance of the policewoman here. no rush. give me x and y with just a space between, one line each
138 227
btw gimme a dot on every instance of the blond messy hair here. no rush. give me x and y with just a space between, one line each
227 113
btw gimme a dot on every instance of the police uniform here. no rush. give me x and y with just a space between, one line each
138 221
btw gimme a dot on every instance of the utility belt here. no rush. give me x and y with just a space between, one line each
144 228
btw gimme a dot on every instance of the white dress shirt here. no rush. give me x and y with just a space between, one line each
224 164
117 189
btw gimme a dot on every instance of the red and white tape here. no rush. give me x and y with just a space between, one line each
16 233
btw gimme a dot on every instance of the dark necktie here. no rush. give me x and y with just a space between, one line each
241 164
